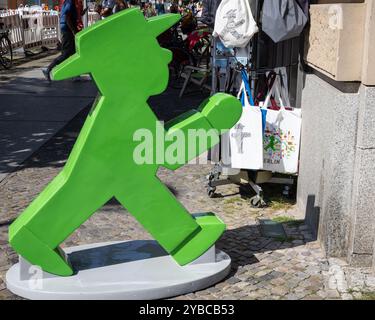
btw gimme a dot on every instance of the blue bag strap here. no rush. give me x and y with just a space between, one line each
264 119
245 79
248 90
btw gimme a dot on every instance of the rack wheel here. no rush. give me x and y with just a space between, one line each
257 202
211 192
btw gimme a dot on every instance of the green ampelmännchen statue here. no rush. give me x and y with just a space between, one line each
128 66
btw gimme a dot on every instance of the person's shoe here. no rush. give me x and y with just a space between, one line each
46 74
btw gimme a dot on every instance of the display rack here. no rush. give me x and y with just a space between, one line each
285 54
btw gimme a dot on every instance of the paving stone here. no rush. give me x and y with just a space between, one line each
291 284
233 280
291 296
221 285
347 296
322 293
277 281
262 273
279 291
213 289
312 297
333 294
297 242
370 281
252 281
357 295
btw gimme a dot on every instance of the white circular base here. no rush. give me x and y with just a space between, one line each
119 270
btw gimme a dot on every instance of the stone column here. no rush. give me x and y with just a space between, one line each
336 185
362 236
368 69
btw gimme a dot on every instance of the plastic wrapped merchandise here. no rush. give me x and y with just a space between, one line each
282 19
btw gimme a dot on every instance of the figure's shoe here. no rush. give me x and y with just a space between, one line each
222 111
38 253
211 228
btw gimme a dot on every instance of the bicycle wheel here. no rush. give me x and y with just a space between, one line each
6 53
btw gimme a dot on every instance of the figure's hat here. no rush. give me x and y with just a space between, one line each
110 36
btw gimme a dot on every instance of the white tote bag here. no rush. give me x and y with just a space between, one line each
234 23
246 137
282 134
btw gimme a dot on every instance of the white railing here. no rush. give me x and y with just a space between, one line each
31 27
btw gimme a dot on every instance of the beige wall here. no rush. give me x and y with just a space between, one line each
347 53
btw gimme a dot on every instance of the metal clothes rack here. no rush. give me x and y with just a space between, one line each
279 55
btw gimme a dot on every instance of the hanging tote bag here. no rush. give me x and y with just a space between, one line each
282 19
246 137
234 23
281 141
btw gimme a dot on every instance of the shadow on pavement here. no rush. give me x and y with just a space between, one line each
56 150
244 242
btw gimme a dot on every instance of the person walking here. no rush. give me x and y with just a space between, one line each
120 5
160 9
107 8
68 27
149 10
191 6
143 4
174 7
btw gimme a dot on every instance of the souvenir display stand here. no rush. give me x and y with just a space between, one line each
260 57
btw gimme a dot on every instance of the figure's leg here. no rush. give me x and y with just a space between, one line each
183 236
57 212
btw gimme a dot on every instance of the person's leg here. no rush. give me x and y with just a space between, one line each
70 45
67 49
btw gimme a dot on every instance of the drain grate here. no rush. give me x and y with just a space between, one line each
271 228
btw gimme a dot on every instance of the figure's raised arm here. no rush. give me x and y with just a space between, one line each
199 129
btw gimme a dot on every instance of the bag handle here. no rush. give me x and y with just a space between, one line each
247 89
278 91
274 91
278 95
267 100
283 85
240 91
271 78
241 96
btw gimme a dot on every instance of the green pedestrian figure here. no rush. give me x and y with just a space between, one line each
128 66
272 144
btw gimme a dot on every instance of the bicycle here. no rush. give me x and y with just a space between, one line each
6 52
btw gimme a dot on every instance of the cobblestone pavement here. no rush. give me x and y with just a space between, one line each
290 267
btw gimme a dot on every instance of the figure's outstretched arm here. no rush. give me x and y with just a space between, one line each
196 131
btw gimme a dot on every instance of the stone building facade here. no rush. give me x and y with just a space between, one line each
336 187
